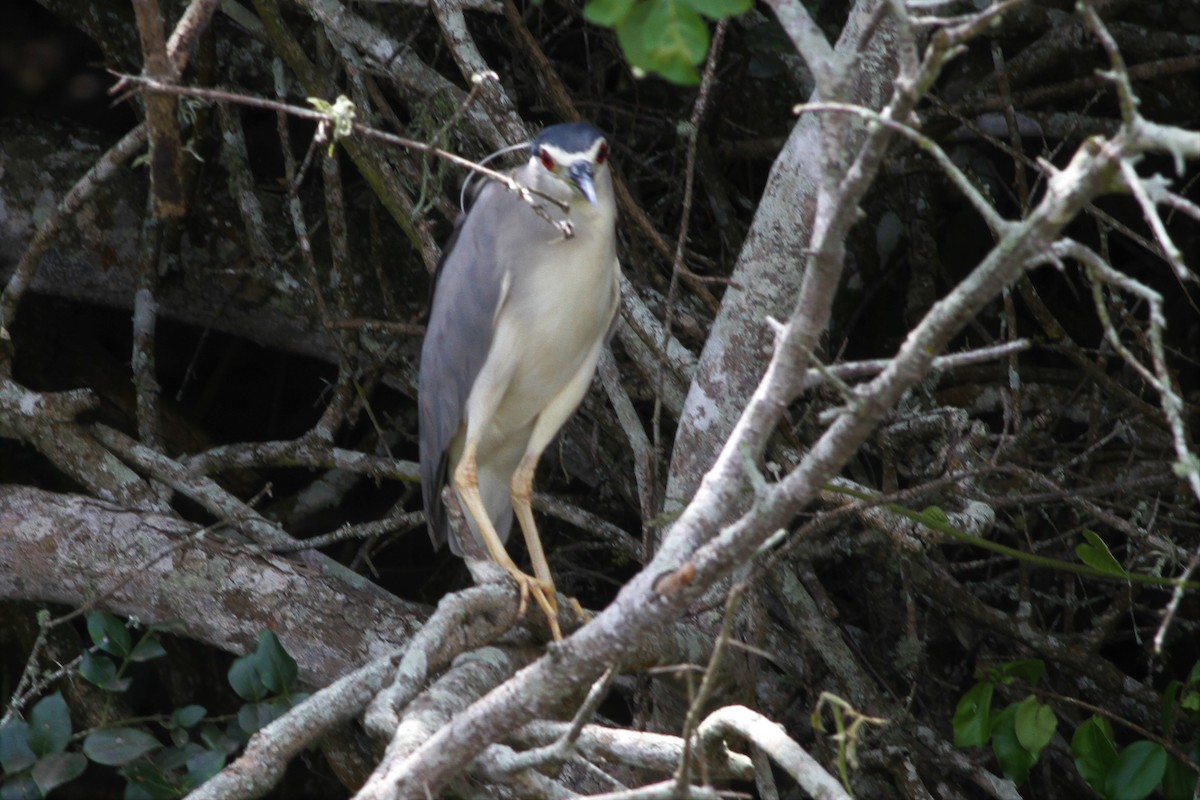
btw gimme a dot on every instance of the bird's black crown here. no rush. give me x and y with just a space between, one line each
569 137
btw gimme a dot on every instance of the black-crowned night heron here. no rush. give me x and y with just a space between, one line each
520 314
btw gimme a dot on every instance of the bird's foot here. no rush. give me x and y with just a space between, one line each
543 594
582 614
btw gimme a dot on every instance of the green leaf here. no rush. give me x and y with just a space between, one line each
20 787
188 716
202 767
1028 670
631 35
97 669
149 782
1097 555
1034 724
1015 760
719 9
232 738
137 791
102 672
679 37
15 752
49 725
971 721
296 698
227 739
607 12
244 679
268 670
182 719
276 668
252 716
109 633
1194 675
1137 771
58 768
1092 747
146 649
666 37
676 70
170 759
1179 781
115 747
1190 701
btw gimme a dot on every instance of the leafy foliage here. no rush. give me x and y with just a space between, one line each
665 37
34 755
1020 732
115 747
265 678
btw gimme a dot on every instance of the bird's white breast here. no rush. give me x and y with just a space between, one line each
562 300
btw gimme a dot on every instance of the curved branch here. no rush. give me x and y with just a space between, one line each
770 736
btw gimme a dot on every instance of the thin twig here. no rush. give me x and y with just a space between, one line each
698 109
863 369
982 206
526 194
560 749
707 686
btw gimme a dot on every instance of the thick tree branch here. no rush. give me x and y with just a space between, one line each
71 549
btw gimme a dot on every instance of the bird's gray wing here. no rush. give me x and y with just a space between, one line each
467 289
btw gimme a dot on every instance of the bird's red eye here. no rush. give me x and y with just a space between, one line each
602 153
547 159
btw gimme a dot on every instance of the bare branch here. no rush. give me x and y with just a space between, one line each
750 725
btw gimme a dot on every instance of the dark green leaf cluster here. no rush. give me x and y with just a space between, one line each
1020 732
111 636
265 678
666 37
33 752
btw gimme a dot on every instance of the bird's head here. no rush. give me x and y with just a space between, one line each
575 153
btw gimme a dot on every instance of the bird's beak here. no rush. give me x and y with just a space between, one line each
582 175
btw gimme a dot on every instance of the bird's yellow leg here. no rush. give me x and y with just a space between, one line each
548 423
522 493
466 481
